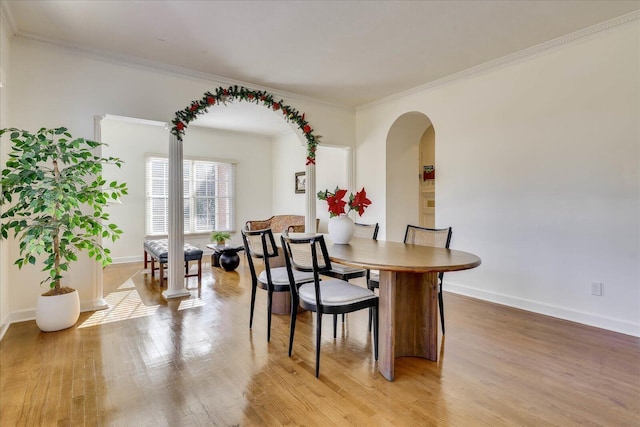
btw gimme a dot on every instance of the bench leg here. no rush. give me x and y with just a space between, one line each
199 270
161 274
146 259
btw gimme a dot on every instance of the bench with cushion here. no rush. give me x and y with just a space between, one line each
158 250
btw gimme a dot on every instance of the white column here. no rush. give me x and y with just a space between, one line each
351 178
99 303
310 219
175 277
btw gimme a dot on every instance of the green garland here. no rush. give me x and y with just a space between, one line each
224 95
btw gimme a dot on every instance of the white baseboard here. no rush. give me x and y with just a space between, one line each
128 259
608 323
3 329
30 314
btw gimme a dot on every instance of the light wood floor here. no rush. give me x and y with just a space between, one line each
194 362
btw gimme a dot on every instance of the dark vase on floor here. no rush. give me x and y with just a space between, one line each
229 261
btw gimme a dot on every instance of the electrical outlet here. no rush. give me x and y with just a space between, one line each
596 288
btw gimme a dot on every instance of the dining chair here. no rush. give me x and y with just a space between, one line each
346 272
414 235
300 228
260 244
332 296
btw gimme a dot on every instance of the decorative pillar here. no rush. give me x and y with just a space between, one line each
351 177
175 276
99 303
310 193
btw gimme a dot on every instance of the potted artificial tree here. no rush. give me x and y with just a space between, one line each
53 198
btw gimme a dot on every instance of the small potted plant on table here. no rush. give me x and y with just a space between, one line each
220 237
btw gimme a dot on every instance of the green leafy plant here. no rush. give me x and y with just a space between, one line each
220 236
56 196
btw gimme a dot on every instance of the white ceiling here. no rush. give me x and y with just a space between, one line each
347 53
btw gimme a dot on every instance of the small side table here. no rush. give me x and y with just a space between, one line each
225 256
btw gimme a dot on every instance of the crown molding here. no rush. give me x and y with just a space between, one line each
7 18
134 120
174 70
510 59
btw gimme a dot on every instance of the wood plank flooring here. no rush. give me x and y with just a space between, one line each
146 361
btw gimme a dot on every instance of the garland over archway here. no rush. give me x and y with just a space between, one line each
223 95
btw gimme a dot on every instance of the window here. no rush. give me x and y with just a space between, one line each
209 195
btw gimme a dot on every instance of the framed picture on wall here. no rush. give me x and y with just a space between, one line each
301 181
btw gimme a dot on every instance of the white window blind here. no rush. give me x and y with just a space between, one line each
209 195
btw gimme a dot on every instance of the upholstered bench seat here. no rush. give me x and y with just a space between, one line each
158 250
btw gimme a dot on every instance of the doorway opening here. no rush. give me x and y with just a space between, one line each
427 204
410 148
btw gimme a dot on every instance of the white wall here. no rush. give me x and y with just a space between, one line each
333 168
130 140
54 87
538 173
288 157
5 53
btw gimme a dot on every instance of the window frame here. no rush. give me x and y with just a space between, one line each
190 198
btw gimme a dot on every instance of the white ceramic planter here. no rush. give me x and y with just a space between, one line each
57 312
341 229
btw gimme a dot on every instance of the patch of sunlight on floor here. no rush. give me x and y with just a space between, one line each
124 304
127 285
190 303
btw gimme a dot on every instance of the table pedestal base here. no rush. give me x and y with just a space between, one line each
408 318
281 303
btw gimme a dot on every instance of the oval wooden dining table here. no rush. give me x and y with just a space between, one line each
408 321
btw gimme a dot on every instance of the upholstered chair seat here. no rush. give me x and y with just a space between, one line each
280 277
335 292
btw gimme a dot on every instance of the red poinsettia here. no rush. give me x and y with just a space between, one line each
357 203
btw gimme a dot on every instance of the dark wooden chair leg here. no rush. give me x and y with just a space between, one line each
441 303
375 332
292 326
253 302
318 339
269 304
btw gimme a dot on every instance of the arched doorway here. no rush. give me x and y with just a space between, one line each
221 96
404 172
